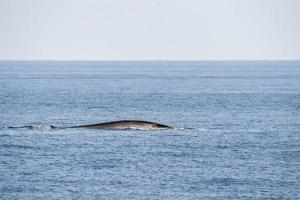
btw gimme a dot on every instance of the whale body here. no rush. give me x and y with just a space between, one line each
124 124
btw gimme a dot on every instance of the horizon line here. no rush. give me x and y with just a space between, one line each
148 60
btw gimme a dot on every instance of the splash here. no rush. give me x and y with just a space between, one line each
31 127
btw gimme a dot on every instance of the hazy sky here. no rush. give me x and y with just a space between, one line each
149 29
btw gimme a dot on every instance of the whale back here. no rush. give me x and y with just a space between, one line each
126 124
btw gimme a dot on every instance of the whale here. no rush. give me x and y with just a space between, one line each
122 125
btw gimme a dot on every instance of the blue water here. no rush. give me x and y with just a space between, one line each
239 137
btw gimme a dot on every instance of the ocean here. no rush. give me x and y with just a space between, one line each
238 133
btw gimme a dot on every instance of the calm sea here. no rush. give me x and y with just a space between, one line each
239 137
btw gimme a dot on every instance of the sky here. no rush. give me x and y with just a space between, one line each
149 29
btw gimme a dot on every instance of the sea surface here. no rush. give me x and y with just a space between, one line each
238 133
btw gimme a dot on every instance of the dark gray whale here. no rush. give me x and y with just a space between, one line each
124 124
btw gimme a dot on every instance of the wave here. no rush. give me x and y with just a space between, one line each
30 127
18 146
50 127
